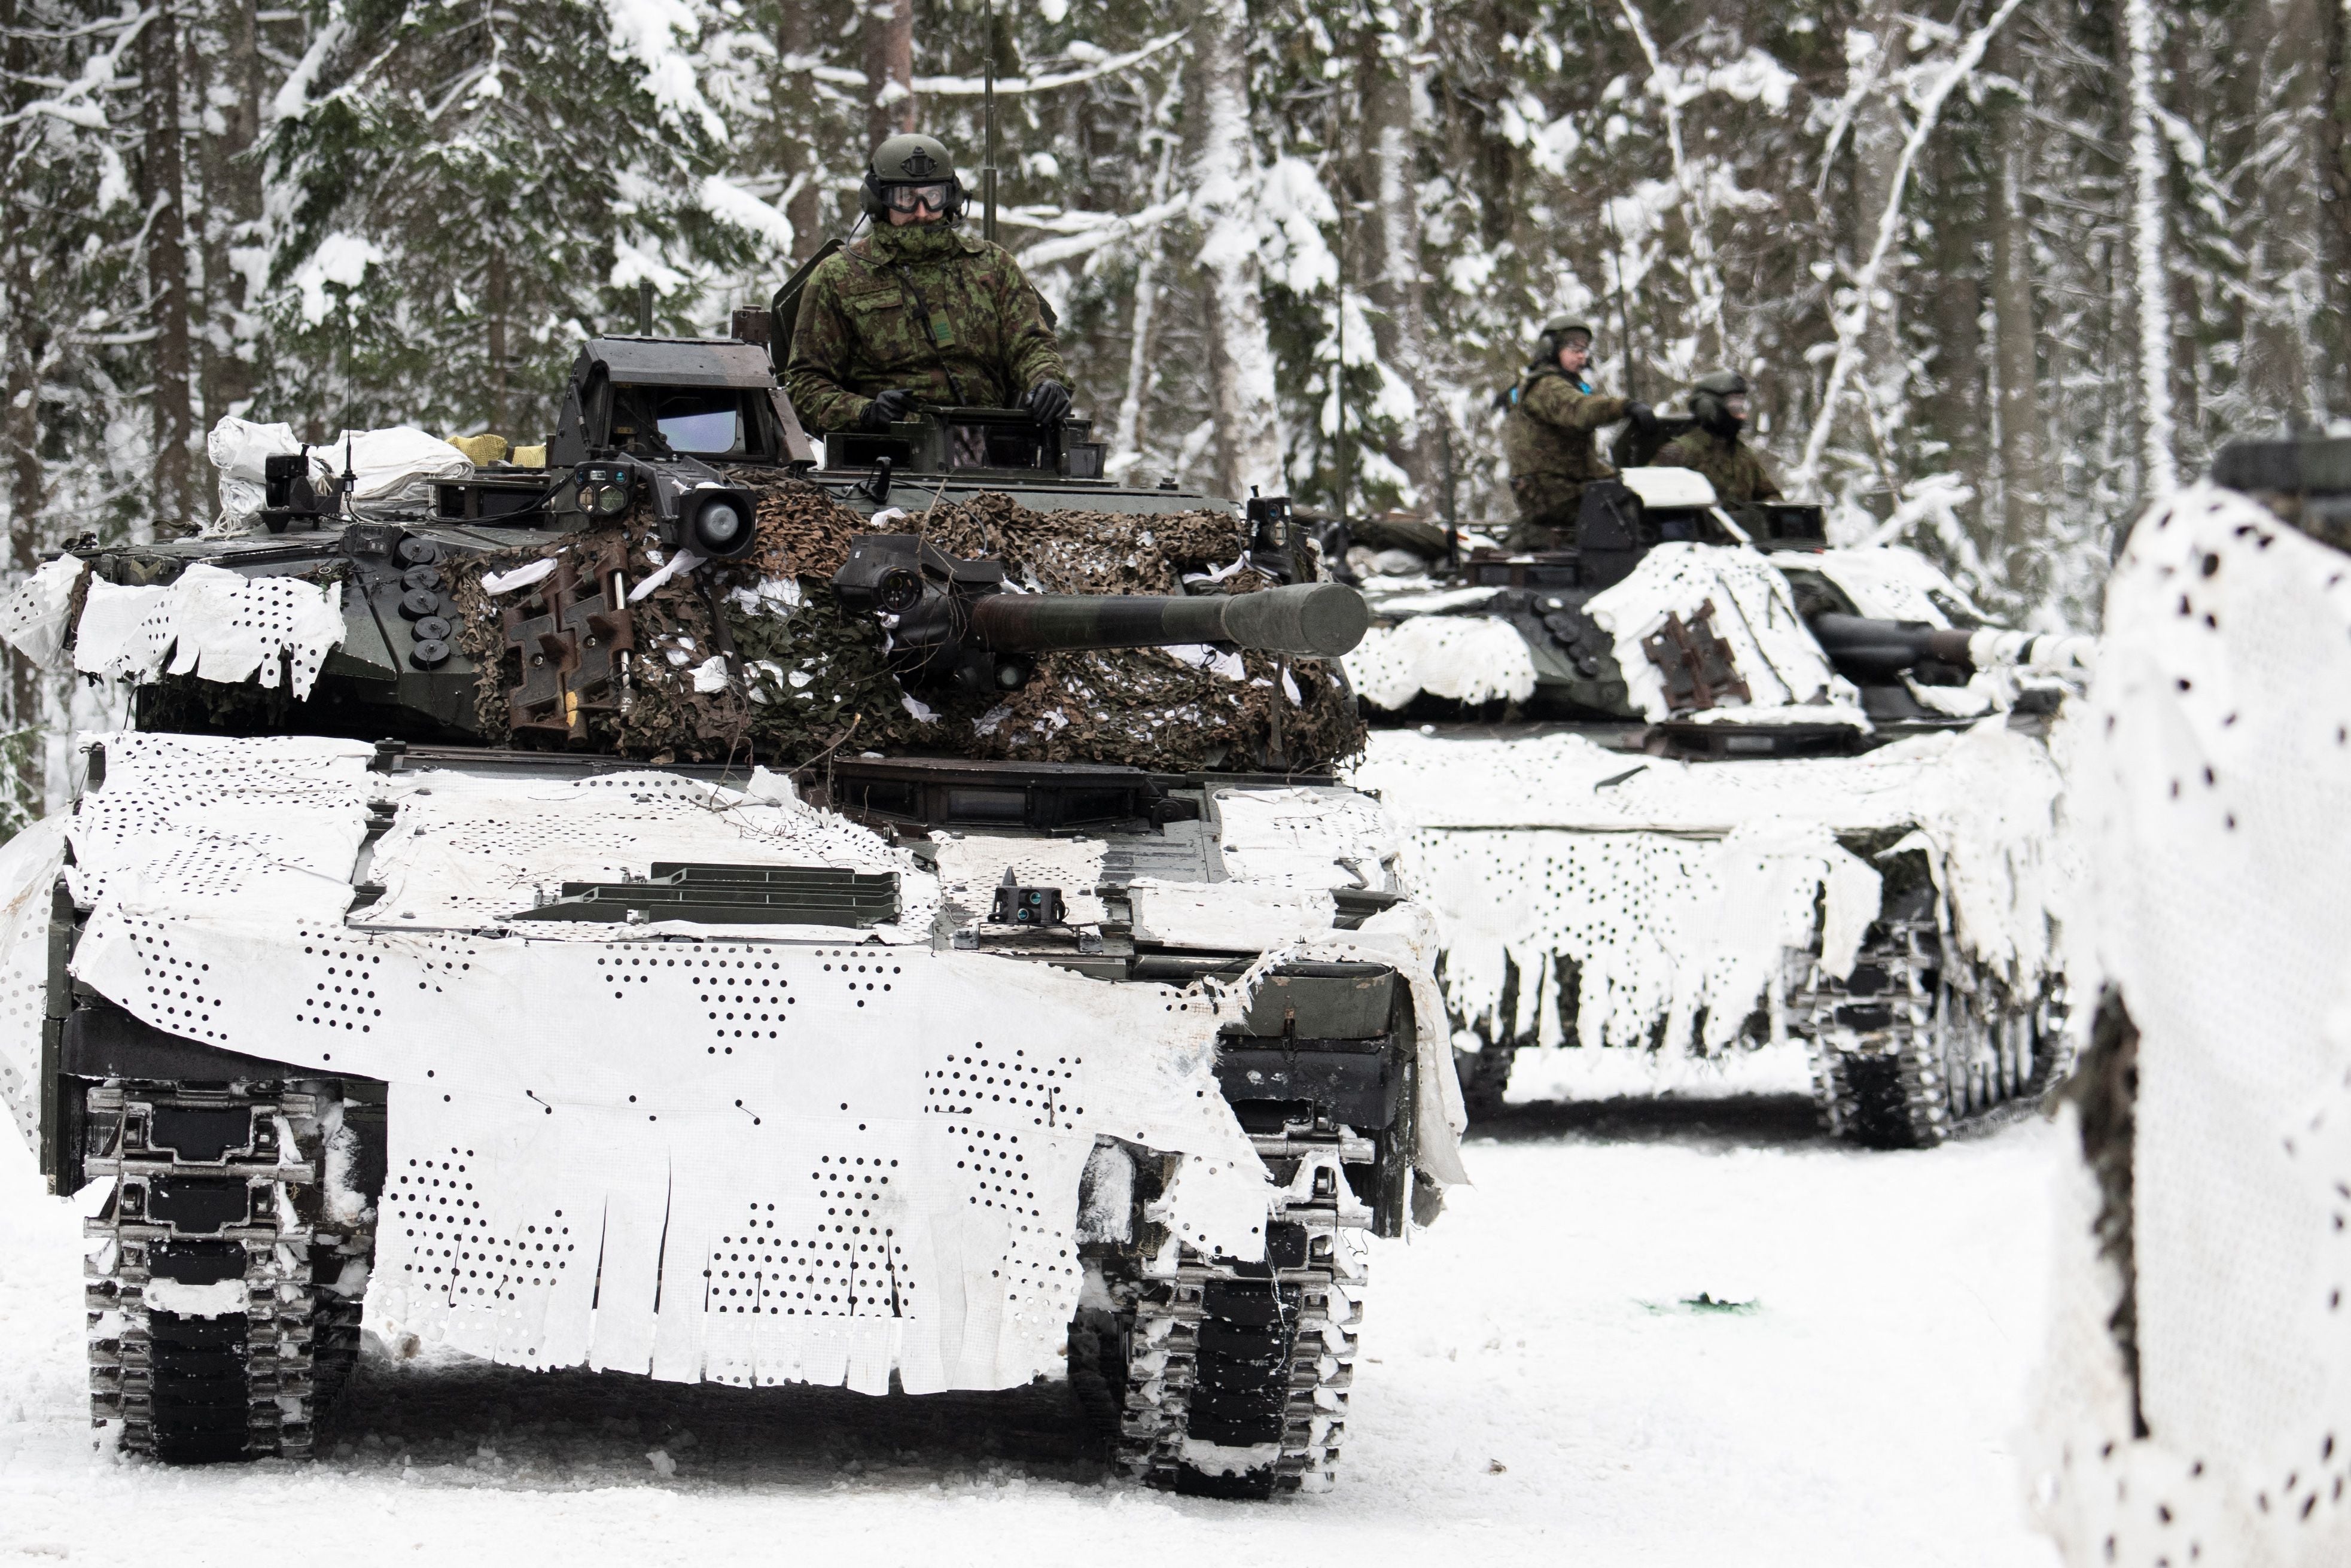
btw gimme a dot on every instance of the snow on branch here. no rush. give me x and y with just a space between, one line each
732 205
73 103
654 33
293 99
1852 323
1085 233
972 87
1705 273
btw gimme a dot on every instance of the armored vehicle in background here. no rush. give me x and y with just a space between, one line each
1706 782
696 911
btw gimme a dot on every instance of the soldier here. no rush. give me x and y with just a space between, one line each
1738 473
920 310
1549 435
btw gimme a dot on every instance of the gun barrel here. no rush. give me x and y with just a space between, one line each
1871 650
1324 618
1874 650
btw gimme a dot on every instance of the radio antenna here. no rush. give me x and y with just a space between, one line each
987 101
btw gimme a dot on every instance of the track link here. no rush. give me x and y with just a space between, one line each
1237 1381
1228 1379
1485 1075
212 1281
1901 1059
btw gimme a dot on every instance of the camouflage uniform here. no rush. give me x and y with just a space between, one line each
987 341
1737 471
1549 440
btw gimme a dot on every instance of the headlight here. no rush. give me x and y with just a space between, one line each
611 499
721 524
718 523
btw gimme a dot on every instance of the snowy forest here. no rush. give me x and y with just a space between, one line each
2000 273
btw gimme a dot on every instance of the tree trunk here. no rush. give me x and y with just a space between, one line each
1142 359
2150 282
161 185
2286 247
231 216
20 416
2023 485
1225 179
794 37
889 69
1392 88
1877 136
1126 438
494 305
1955 406
2333 130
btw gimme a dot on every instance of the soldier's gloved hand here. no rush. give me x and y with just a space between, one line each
898 403
1048 403
1644 417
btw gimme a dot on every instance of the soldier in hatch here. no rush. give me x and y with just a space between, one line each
1549 435
920 310
1738 472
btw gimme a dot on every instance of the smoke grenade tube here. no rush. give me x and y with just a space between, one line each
1324 618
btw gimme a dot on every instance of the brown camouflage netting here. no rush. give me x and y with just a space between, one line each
818 680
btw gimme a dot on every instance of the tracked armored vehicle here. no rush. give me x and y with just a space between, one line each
1704 782
696 911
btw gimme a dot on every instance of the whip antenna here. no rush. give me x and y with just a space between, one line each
988 103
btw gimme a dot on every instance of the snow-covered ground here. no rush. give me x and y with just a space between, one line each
1537 1387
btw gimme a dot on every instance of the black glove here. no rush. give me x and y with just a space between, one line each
1644 417
898 403
1048 403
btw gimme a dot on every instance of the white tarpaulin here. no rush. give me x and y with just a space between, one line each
392 468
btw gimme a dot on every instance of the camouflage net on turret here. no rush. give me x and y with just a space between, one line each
809 680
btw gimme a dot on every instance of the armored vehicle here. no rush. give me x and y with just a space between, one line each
697 910
1704 781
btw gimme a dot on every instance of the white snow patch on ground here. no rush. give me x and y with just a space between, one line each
1533 1390
1582 1072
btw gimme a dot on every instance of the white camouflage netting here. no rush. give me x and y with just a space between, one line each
208 622
1471 658
1664 888
2213 787
607 1146
1789 678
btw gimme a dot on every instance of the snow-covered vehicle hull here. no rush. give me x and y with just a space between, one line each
528 1035
1888 910
752 1151
1714 796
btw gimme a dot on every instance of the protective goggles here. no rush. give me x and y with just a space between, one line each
908 198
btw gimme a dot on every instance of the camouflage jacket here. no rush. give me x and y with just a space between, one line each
1549 430
1738 472
985 340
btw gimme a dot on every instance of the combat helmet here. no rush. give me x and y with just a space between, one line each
1719 402
1554 334
910 163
